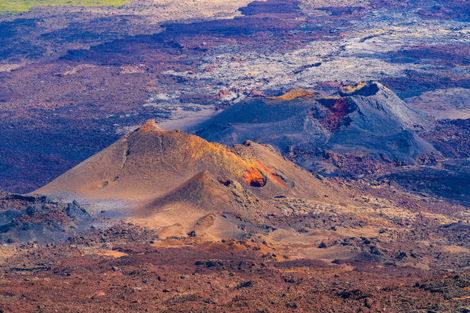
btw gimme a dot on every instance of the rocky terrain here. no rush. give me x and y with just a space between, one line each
297 156
39 219
174 223
144 277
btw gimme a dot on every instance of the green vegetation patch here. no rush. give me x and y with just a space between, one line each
17 6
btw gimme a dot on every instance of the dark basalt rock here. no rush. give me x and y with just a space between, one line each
25 218
366 118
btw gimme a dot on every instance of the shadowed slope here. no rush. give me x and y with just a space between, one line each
365 118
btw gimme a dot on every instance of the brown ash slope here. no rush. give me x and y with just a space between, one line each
178 185
366 119
179 181
151 161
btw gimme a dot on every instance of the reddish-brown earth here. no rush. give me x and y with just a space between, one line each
178 224
215 277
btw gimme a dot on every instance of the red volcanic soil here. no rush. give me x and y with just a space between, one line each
215 277
253 177
338 109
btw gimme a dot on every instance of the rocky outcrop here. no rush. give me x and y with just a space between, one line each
39 219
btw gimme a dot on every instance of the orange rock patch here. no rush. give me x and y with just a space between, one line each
111 253
352 88
272 174
150 126
297 93
253 177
